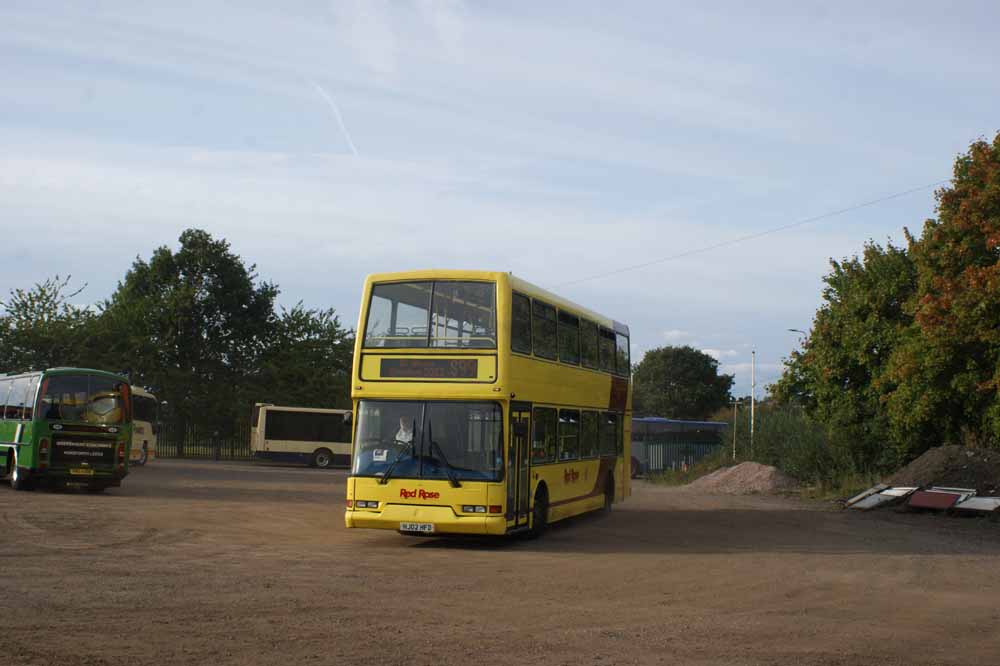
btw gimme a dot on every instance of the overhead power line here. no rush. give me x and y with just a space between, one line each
758 234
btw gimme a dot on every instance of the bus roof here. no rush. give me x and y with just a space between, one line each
139 391
516 283
284 408
65 371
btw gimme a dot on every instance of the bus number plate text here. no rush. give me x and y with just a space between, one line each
422 528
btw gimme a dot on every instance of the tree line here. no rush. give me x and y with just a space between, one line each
904 352
196 326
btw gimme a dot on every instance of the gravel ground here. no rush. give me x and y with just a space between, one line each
222 563
747 478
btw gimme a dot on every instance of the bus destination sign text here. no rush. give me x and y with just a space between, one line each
429 368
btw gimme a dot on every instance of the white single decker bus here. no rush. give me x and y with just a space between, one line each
312 436
145 426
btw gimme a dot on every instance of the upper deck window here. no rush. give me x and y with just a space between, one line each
440 314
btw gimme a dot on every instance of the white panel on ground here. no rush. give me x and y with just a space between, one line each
872 501
901 491
979 504
867 493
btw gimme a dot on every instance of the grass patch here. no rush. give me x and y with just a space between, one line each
840 487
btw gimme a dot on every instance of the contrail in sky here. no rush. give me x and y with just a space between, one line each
336 112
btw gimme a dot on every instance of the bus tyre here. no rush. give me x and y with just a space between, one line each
322 458
540 513
143 457
609 493
18 479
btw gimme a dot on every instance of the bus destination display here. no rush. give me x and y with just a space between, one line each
430 368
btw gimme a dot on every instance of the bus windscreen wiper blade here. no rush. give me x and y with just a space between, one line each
399 456
449 470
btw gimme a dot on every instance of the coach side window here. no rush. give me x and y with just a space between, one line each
569 434
620 432
569 338
4 391
589 434
607 350
543 329
543 443
609 433
29 399
622 355
589 343
15 401
520 324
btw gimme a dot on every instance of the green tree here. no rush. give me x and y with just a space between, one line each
679 382
947 371
194 325
41 328
841 374
309 361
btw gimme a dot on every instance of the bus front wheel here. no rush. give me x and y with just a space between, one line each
322 458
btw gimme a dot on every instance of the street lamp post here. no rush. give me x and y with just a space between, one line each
753 393
736 403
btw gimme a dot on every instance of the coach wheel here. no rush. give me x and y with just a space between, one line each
322 458
18 480
144 456
540 513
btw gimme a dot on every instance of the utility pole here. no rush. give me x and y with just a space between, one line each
753 393
735 403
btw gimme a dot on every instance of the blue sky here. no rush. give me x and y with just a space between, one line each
327 140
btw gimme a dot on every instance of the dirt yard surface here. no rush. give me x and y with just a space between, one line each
224 563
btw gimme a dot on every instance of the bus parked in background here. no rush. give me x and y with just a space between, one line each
145 426
314 436
71 426
484 405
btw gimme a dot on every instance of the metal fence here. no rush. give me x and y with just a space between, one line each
656 457
176 441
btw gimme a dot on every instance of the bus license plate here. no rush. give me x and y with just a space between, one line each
82 472
422 528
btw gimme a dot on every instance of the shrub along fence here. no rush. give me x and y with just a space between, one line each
176 441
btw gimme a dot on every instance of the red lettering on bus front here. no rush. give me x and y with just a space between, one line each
422 494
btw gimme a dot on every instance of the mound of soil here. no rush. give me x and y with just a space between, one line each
954 467
744 479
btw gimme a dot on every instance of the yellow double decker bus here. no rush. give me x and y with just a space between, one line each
484 405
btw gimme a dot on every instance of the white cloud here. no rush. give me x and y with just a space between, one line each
719 354
675 335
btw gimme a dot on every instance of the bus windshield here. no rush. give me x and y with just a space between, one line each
442 314
429 440
87 398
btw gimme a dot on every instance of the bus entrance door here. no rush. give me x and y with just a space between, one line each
518 480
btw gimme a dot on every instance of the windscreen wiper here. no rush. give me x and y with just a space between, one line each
449 470
399 456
